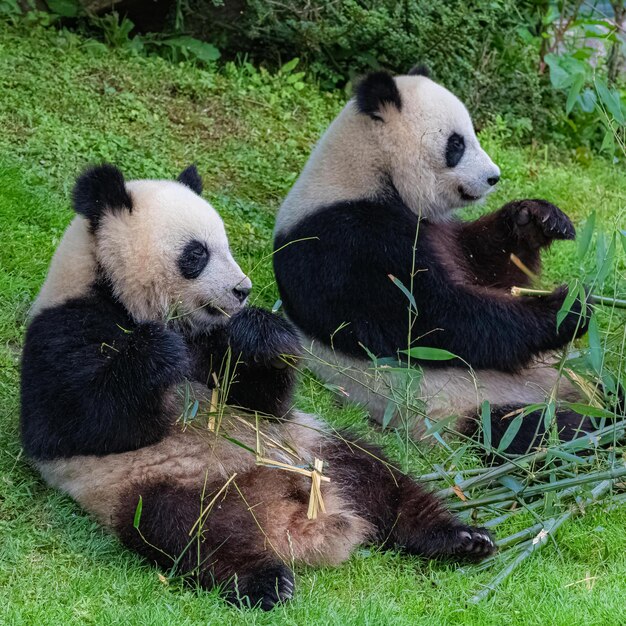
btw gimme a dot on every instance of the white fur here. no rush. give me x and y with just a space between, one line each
356 152
139 249
439 392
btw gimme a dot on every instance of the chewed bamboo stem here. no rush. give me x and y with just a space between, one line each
592 299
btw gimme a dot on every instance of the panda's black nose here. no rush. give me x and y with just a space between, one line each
493 180
241 293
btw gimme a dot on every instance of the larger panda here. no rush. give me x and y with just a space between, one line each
369 226
142 311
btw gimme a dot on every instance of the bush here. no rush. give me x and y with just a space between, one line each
473 47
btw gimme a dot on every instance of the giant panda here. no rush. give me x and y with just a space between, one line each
369 225
142 311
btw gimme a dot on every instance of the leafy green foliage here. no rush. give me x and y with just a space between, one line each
474 47
66 101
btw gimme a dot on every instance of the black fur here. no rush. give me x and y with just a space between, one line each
98 189
419 70
521 227
455 149
341 275
376 90
230 548
263 348
191 178
94 382
405 515
193 259
570 425
227 550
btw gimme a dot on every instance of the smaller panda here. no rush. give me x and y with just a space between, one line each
371 218
144 310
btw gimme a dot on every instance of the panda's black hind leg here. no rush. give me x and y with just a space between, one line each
532 433
263 587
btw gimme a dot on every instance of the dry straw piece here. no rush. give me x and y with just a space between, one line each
316 502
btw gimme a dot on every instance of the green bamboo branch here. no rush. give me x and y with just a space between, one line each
536 543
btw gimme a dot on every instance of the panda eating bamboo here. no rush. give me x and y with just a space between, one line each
370 262
143 315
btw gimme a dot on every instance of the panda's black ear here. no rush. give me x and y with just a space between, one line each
190 178
98 189
419 70
375 91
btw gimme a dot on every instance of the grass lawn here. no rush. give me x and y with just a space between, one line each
65 102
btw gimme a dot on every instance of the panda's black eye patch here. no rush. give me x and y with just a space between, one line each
454 149
193 259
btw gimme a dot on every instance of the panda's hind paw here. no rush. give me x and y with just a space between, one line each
456 542
263 588
473 544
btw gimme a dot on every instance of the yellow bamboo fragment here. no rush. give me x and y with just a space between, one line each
523 267
316 502
209 506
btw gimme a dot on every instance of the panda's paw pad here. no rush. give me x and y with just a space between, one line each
473 544
265 588
541 221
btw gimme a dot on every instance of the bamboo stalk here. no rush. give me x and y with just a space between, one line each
600 436
520 536
535 544
591 298
530 492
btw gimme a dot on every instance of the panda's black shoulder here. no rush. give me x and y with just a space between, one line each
350 223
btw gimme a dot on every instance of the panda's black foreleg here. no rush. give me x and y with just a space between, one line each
210 546
522 228
265 348
93 382
405 514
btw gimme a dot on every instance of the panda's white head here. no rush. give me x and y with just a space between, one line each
161 247
407 130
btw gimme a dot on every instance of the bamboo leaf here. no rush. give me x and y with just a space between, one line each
511 483
390 410
439 425
435 434
429 354
564 456
138 511
595 344
485 418
585 234
510 433
398 283
566 306
548 414
588 410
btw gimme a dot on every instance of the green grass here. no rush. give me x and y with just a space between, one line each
64 102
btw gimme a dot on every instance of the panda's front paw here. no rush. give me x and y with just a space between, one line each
159 353
261 337
538 222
